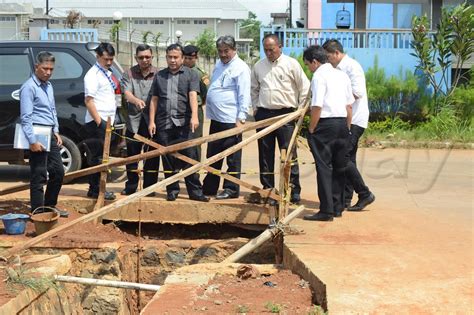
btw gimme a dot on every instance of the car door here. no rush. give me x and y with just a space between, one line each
16 67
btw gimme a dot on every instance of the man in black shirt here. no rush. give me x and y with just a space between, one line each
174 118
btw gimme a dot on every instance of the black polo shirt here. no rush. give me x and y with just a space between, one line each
174 109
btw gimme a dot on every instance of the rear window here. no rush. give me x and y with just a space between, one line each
14 69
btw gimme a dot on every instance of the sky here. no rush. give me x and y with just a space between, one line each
263 8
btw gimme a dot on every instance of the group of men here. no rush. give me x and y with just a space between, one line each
167 106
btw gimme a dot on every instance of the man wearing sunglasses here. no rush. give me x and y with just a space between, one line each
136 83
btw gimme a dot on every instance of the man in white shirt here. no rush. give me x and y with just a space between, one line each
279 86
99 90
328 131
360 119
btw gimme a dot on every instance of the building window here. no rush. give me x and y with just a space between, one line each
200 21
140 21
109 22
157 22
183 21
7 19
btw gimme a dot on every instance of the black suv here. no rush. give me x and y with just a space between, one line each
73 60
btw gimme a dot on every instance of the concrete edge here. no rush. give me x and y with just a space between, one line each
292 262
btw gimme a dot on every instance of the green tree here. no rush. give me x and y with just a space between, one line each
206 42
250 28
452 40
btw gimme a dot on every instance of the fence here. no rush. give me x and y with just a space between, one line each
73 35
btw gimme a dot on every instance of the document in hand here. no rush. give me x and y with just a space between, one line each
42 133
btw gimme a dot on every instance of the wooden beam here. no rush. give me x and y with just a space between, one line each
210 169
103 174
142 193
261 239
151 154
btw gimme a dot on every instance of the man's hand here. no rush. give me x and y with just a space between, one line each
140 104
194 123
238 123
152 128
59 140
98 121
37 147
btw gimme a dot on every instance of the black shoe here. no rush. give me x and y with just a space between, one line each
362 203
347 204
199 198
338 214
107 196
171 197
126 192
318 217
295 199
226 194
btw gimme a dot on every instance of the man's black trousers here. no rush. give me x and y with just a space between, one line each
354 180
172 165
266 150
43 165
328 145
234 161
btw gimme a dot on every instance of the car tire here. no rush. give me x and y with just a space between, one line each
70 155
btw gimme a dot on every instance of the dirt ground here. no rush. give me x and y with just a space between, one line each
282 292
5 293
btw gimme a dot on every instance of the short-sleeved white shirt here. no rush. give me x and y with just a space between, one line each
97 86
332 91
360 108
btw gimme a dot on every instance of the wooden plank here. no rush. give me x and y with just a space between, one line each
103 174
142 193
154 153
230 178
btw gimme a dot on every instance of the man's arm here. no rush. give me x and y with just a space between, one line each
127 87
243 94
193 103
92 109
254 89
302 84
315 116
357 77
349 115
26 117
152 114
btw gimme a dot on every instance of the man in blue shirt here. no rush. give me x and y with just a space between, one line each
37 107
228 102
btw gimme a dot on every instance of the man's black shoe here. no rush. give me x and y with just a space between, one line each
295 199
318 217
362 203
338 214
107 196
200 198
126 192
171 197
225 194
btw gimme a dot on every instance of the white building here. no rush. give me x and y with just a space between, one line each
165 16
13 20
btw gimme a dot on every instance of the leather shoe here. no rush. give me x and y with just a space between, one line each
107 196
200 198
338 214
171 197
295 199
226 194
320 216
362 203
126 192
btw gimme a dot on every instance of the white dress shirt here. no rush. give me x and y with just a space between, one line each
360 108
278 84
332 91
97 86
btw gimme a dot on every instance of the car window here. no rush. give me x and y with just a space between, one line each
14 69
66 66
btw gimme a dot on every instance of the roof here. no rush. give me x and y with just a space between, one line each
223 9
12 8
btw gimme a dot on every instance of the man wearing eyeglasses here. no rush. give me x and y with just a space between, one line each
136 83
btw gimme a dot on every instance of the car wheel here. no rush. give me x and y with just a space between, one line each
70 155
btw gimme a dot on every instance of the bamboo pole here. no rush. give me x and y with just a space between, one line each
142 193
261 239
230 178
108 283
154 153
103 174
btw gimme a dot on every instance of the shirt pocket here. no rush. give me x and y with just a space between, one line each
227 81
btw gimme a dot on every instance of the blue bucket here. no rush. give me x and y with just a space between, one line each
14 223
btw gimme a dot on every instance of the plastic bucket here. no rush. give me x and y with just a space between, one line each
45 219
14 223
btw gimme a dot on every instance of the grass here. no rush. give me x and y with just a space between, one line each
22 278
317 310
242 309
274 308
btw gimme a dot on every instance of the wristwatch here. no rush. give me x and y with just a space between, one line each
242 121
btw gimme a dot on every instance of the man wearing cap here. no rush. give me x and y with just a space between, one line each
190 59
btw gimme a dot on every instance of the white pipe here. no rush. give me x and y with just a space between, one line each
108 283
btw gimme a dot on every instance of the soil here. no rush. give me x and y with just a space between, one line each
282 292
5 293
82 235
